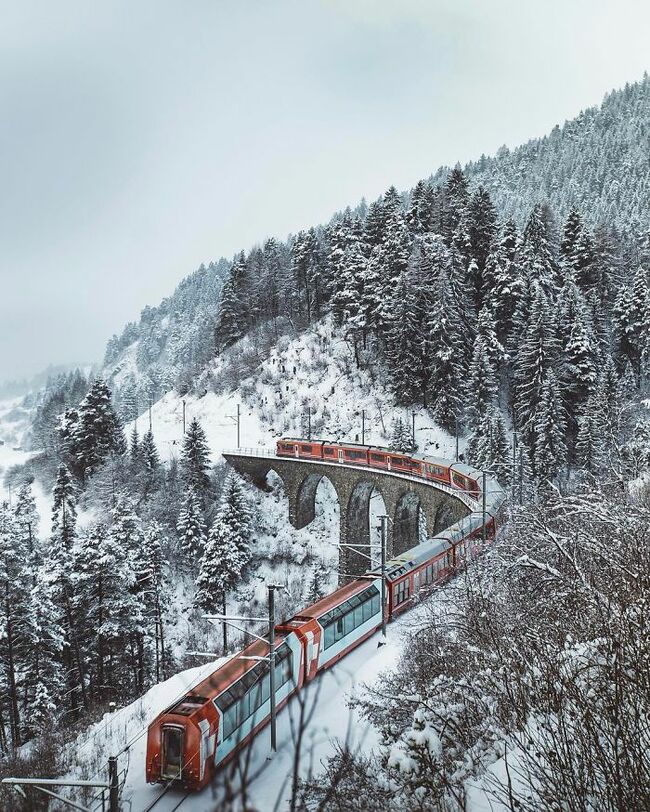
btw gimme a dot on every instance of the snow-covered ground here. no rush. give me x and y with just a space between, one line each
314 371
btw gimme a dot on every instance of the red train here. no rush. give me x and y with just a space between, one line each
455 475
211 724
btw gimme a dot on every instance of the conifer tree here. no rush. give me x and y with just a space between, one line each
14 608
98 432
44 693
195 460
538 261
550 452
134 446
59 564
446 384
106 578
503 284
481 230
149 453
481 385
535 358
419 215
590 444
486 330
155 591
400 438
191 528
227 549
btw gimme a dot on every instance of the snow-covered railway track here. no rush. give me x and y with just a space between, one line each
169 800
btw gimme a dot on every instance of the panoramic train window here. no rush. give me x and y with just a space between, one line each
172 752
287 446
344 619
378 457
306 448
402 591
329 452
249 693
355 455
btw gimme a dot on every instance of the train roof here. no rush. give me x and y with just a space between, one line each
329 602
221 679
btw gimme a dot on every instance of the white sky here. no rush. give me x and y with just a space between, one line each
138 139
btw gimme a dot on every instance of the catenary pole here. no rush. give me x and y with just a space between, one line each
271 590
383 524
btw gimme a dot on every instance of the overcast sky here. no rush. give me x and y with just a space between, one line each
139 139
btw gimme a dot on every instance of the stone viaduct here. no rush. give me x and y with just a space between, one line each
403 497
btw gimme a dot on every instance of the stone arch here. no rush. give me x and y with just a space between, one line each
357 525
446 515
305 510
406 522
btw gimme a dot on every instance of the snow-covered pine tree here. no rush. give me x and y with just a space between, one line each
535 358
191 528
482 231
486 330
537 258
502 278
195 460
227 549
149 454
44 691
26 517
481 385
456 196
419 215
580 356
232 322
105 599
98 433
447 341
488 446
401 438
134 446
14 619
155 592
406 341
550 451
60 575
590 443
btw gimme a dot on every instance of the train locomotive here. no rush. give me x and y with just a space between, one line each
205 729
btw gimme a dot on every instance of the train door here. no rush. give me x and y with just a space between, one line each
416 583
388 462
340 455
172 752
296 450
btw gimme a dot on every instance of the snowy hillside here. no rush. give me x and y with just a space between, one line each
313 372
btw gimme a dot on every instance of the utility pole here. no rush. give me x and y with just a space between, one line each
413 430
113 785
363 427
271 588
484 530
514 464
456 419
383 524
183 417
309 422
238 424
149 412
